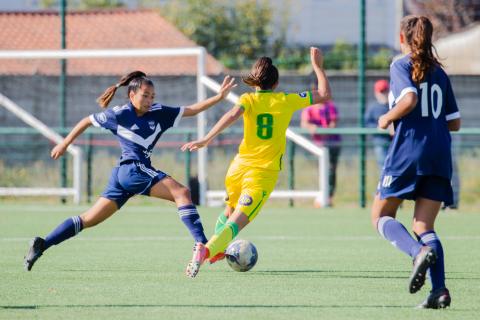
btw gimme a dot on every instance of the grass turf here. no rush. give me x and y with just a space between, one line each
313 264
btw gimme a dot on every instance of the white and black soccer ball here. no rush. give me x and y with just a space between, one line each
241 255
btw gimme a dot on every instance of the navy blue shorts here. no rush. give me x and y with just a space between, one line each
404 187
130 179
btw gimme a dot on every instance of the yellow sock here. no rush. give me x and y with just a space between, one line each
219 242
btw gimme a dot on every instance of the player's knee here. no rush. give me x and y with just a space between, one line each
182 193
374 217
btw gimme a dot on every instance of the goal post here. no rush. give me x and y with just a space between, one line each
76 152
198 52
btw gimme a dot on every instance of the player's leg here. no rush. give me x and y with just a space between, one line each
233 188
432 192
383 220
100 211
169 189
257 184
426 211
391 191
334 154
222 218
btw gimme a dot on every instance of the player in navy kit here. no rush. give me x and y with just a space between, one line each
138 125
418 165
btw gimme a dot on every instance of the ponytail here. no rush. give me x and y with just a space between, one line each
418 31
134 80
263 74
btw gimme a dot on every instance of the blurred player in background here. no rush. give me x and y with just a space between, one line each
253 173
138 125
418 166
374 111
324 115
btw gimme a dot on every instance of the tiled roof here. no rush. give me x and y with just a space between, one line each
112 29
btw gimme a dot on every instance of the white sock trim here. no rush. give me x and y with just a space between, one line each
381 223
429 238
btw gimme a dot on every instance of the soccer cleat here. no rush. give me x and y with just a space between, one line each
424 259
37 246
438 299
200 254
219 256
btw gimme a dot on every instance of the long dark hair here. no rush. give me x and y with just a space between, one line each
418 31
134 80
263 74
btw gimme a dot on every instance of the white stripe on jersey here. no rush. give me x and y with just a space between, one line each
404 92
453 116
179 116
132 136
94 122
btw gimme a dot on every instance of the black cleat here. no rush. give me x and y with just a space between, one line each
439 299
37 246
424 259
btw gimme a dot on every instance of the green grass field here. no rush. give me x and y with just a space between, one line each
313 264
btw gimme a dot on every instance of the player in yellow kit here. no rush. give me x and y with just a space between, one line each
254 171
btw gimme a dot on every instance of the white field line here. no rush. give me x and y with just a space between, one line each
263 238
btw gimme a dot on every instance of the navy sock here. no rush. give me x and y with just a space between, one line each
397 234
437 270
67 229
191 219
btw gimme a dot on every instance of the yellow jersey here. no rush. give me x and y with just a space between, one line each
266 117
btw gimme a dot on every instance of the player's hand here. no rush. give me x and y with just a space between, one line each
58 151
384 122
194 145
316 56
227 85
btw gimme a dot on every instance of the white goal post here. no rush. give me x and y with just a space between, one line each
203 82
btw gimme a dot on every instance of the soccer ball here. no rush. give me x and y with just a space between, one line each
241 255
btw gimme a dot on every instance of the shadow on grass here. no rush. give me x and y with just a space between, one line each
352 274
239 306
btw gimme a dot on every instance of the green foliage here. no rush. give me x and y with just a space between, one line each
380 60
100 4
83 4
234 32
342 56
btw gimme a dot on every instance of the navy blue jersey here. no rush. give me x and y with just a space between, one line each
137 135
421 144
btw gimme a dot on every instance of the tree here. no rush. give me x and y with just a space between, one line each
83 4
342 56
236 32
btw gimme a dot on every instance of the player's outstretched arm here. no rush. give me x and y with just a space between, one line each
227 85
323 92
227 120
60 148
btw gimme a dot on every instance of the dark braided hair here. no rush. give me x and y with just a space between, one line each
134 80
